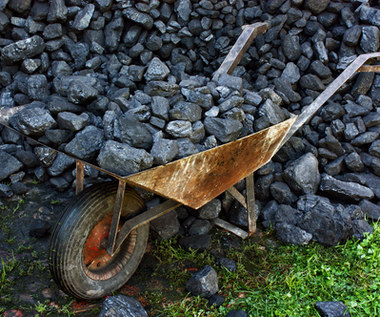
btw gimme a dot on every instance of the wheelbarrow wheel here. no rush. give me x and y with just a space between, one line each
79 262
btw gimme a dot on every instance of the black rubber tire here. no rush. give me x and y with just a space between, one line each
66 259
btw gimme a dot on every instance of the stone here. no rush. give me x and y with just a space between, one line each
287 214
365 138
302 175
157 70
216 300
83 18
71 121
291 47
166 226
179 128
201 99
5 191
361 228
160 107
45 155
310 81
371 210
198 242
289 233
200 227
186 111
237 313
138 17
60 164
160 88
203 283
123 159
122 306
129 130
370 40
332 144
211 210
332 309
282 193
370 15
164 151
112 33
35 121
86 143
225 130
354 162
57 11
374 149
183 9
226 263
347 191
352 35
37 87
23 49
230 81
81 92
372 119
230 103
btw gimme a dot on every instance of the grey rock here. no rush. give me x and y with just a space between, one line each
230 81
272 112
59 183
310 81
352 36
166 226
371 210
237 313
252 98
39 228
113 32
157 70
27 158
160 107
361 228
183 9
164 151
287 214
179 128
216 300
57 11
317 6
303 175
9 165
200 227
83 18
129 130
354 162
35 121
291 73
123 306
351 131
291 47
139 17
225 130
186 111
204 282
78 51
268 213
370 41
60 164
203 100
211 210
374 149
23 49
283 86
199 242
57 104
347 191
365 138
71 121
226 263
370 15
282 193
289 233
160 88
52 31
86 143
80 91
186 147
372 119
232 102
332 309
332 144
37 87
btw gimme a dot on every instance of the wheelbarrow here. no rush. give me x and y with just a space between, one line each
101 236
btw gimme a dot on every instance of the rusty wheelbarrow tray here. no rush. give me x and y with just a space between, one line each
89 263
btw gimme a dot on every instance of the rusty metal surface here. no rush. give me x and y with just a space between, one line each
369 69
250 32
197 179
308 112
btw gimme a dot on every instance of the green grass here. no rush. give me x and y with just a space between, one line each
283 280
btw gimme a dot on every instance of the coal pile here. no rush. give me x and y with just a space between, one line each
127 86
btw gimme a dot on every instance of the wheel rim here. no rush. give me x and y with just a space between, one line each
97 263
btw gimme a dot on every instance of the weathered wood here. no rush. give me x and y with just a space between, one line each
250 32
251 207
238 196
230 227
79 183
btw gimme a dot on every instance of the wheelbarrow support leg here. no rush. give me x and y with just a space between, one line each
251 208
116 217
79 184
